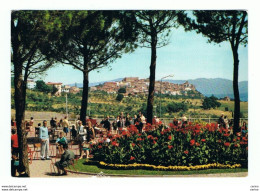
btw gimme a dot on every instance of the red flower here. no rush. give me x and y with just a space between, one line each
170 137
154 142
186 152
132 158
244 138
203 140
139 139
234 140
150 137
197 144
162 132
226 134
227 144
238 134
192 142
114 143
243 143
236 145
99 146
170 146
124 133
238 138
133 144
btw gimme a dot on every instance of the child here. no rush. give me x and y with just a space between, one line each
87 146
15 166
60 142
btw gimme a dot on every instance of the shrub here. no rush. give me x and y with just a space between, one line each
193 145
210 102
119 97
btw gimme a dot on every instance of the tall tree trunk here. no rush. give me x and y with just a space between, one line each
20 98
84 101
152 81
236 91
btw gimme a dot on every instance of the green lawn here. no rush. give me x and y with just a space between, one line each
80 166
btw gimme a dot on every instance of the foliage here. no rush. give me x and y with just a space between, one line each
29 57
210 102
119 97
176 107
122 90
172 146
90 40
42 87
154 29
221 26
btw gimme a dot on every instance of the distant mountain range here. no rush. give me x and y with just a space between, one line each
218 87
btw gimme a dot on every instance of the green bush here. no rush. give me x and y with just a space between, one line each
193 145
210 102
119 97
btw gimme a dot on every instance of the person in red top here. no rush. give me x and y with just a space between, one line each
14 143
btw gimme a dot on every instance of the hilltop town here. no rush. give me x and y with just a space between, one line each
134 86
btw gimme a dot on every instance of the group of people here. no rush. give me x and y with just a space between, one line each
223 121
63 123
122 121
66 156
226 123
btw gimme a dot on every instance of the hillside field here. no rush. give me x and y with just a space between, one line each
102 104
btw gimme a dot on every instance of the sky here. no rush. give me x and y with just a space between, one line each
187 56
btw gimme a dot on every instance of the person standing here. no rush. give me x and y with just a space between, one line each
82 132
31 123
226 124
107 124
65 125
139 125
143 119
53 123
44 137
14 143
221 120
184 120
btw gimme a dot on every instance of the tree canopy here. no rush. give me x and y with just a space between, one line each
29 57
90 40
154 29
230 26
210 102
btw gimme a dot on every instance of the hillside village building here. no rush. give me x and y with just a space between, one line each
134 86
57 85
31 84
74 90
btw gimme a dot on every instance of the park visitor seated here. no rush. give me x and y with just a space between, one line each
66 159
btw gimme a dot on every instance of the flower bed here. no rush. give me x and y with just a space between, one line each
178 168
173 147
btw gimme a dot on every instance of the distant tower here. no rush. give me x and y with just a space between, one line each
76 84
